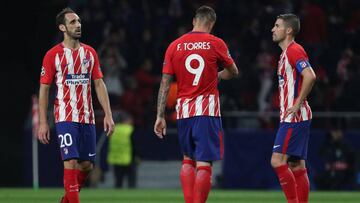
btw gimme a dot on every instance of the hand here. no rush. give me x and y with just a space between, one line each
160 127
293 109
43 134
108 125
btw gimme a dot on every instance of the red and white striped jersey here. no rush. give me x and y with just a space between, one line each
194 59
292 61
72 71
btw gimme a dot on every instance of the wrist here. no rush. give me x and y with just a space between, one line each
160 116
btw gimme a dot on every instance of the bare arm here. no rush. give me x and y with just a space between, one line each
160 124
103 98
228 72
309 78
43 132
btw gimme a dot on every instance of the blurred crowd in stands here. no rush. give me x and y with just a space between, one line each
131 39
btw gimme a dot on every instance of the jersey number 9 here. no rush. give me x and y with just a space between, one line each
196 71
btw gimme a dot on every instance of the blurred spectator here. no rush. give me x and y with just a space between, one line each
131 102
339 159
313 28
122 154
112 65
129 26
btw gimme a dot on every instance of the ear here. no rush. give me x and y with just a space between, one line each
194 21
62 28
211 25
289 30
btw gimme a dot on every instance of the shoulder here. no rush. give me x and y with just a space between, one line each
295 50
54 50
88 47
217 41
174 43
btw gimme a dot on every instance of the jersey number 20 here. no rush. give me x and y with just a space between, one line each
65 140
196 71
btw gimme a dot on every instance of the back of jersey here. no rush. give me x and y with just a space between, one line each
194 59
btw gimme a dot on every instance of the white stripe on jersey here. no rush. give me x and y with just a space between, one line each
73 98
59 82
303 112
198 106
185 108
178 108
211 105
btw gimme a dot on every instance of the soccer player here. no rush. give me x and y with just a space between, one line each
73 65
193 59
296 79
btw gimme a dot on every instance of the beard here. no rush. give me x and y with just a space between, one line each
277 39
74 35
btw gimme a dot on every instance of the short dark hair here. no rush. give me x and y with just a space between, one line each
291 20
60 17
206 14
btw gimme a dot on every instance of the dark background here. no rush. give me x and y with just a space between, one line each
28 30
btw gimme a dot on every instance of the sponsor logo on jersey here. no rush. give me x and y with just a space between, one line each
77 79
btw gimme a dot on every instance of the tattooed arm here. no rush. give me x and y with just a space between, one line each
160 123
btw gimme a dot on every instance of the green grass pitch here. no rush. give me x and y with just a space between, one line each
9 195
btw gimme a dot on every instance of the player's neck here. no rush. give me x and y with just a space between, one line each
71 43
198 28
286 42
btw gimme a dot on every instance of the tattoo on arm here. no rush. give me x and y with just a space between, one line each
163 93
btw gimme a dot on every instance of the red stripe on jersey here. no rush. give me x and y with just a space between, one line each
286 141
192 107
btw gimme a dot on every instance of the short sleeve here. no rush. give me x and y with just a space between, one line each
225 59
167 64
96 71
48 69
298 59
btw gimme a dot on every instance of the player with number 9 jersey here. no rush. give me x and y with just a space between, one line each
194 59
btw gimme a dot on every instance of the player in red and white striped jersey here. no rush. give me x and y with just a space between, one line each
73 65
193 59
296 79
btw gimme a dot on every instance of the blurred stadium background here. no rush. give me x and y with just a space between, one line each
131 37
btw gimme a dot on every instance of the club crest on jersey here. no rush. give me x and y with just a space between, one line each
77 79
85 61
303 64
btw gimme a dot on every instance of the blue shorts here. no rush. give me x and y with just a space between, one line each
293 139
201 138
76 141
